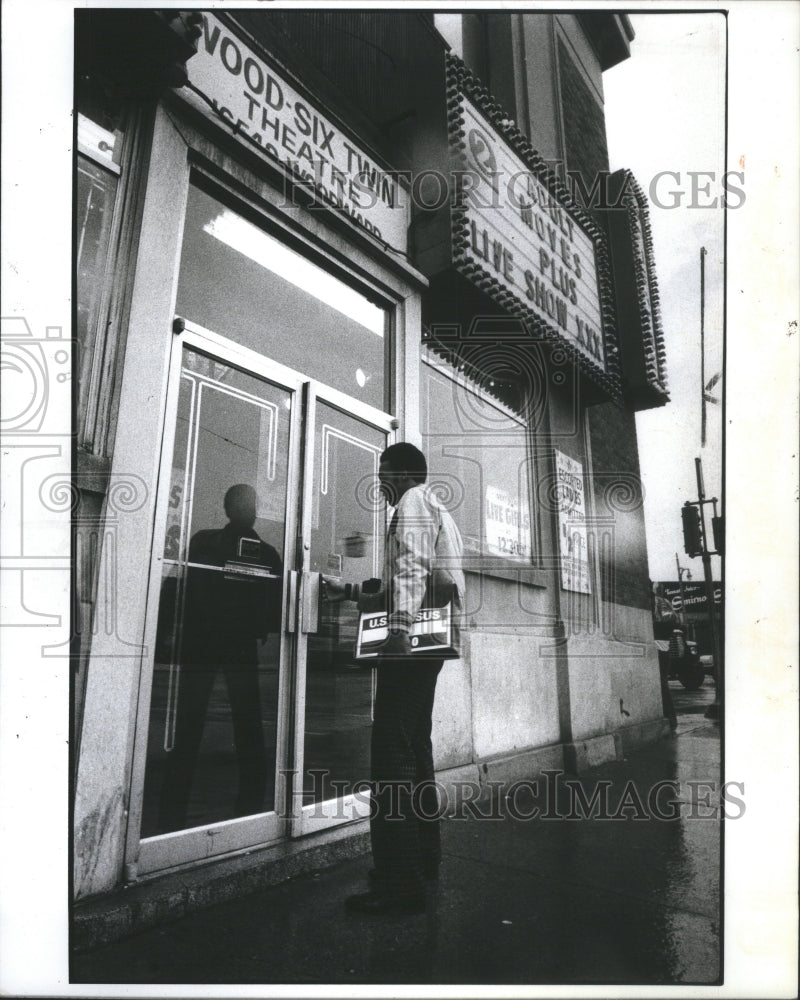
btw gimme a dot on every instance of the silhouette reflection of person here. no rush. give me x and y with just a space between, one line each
227 612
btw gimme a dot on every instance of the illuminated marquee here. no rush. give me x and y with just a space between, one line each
519 237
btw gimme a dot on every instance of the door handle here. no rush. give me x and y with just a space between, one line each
291 599
309 603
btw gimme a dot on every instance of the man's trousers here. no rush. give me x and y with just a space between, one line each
404 824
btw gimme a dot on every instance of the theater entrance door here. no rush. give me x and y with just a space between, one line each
254 721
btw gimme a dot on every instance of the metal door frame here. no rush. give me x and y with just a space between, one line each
196 843
290 818
349 808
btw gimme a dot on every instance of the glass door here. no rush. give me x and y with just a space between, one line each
345 528
259 720
222 650
252 718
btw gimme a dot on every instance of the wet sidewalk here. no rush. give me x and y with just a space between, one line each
555 898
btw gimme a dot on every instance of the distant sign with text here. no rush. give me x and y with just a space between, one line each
689 597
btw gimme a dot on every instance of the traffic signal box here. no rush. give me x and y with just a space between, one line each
692 530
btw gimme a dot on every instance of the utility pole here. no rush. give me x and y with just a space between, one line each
703 347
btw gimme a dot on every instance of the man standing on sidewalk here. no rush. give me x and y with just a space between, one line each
423 555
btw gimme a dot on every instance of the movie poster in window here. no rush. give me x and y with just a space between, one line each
572 534
508 525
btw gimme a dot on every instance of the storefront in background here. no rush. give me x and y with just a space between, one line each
302 236
689 601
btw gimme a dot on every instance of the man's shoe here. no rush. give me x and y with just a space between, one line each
381 902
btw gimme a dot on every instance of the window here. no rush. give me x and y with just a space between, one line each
242 283
96 191
480 462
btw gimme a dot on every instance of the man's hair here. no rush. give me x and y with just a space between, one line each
405 457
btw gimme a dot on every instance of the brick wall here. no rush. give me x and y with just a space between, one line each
618 498
585 144
377 69
615 455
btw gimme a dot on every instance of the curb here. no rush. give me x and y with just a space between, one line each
163 898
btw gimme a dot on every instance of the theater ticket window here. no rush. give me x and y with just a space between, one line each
480 462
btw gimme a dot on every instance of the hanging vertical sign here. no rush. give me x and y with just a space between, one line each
572 534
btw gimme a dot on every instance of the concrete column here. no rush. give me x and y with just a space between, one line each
118 653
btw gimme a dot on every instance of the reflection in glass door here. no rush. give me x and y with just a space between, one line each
346 540
213 731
